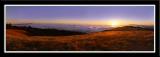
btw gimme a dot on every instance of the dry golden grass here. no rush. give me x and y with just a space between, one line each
99 41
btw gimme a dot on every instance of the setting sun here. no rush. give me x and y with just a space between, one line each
114 23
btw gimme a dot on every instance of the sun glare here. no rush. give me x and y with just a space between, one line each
114 23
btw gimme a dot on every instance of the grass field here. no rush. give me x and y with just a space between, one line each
134 40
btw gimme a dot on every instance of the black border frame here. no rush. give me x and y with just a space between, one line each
79 0
84 54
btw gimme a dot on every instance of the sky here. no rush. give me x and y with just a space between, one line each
95 15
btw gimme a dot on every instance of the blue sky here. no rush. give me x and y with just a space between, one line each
79 14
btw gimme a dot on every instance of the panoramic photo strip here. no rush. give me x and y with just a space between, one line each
79 28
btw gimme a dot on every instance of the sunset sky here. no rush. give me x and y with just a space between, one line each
95 15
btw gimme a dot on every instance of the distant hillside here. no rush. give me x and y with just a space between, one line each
43 32
129 28
55 32
51 32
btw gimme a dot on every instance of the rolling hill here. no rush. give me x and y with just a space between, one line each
133 39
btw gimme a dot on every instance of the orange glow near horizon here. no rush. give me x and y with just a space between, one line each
111 22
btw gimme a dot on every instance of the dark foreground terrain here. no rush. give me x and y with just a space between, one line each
113 40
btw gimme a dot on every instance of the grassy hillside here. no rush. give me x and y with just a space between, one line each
100 41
